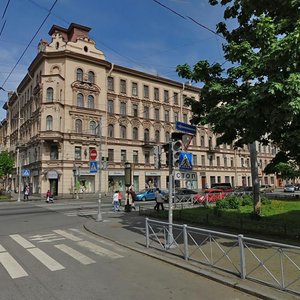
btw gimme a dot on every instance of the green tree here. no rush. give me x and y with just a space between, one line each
7 163
257 97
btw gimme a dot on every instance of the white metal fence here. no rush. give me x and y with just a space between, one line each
271 263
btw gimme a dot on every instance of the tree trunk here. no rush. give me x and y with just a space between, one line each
255 180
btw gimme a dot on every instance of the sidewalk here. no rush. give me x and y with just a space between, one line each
128 230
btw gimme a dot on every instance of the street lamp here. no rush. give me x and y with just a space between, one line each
75 174
128 182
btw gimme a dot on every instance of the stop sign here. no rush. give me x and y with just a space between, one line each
93 154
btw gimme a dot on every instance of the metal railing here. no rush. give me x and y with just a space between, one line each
271 263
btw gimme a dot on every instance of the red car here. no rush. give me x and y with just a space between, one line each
209 196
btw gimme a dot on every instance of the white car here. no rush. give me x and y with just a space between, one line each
289 188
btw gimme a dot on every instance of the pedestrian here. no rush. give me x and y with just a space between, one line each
26 192
132 192
115 201
49 197
159 200
120 198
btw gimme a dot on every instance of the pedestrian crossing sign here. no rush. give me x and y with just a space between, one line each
185 161
25 173
93 166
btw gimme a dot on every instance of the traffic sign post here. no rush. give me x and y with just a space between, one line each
93 154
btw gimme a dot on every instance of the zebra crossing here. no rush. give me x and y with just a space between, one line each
71 242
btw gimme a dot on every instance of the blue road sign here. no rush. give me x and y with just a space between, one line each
93 166
185 161
187 128
25 173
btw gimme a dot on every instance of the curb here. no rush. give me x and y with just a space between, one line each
205 273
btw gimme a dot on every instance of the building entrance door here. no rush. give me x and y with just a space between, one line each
53 186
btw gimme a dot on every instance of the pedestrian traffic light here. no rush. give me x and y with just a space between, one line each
176 150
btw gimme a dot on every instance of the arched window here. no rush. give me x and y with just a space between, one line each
78 126
146 135
110 130
49 96
79 74
49 123
167 136
135 133
91 77
93 126
123 132
80 100
157 136
91 102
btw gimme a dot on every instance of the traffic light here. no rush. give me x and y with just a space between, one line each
166 148
176 150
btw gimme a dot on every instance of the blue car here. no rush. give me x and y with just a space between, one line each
148 194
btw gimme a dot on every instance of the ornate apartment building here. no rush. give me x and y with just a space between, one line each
72 94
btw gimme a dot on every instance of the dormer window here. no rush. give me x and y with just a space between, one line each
79 75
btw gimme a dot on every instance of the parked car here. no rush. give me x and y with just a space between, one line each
297 186
148 194
185 191
242 191
210 196
225 186
266 188
289 188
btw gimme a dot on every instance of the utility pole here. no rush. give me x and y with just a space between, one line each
99 215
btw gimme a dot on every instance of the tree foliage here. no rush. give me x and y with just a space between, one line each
6 164
257 97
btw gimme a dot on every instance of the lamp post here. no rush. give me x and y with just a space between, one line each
128 183
75 173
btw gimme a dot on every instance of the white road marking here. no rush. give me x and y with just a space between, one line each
98 249
12 266
21 241
67 235
46 260
75 254
2 249
46 238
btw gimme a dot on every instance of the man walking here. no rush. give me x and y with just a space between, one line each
159 200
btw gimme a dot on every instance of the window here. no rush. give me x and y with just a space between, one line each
175 98
134 89
110 106
91 77
123 86
202 143
79 75
175 116
147 157
146 112
78 126
166 96
146 135
91 101
110 130
77 153
202 160
156 114
156 94
79 100
195 163
123 108
122 132
49 96
146 91
123 155
110 84
135 157
218 161
167 136
135 110
231 162
185 118
167 116
157 136
225 161
135 133
49 123
93 126
110 154
210 146
53 152
183 99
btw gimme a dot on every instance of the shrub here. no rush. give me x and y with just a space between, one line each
265 200
222 204
247 200
233 202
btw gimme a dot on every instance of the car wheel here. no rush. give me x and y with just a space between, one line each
143 199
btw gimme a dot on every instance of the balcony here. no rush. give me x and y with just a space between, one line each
148 144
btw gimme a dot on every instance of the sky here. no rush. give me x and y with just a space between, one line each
153 36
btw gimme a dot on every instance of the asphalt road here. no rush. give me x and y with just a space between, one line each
46 254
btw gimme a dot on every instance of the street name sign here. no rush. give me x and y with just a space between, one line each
187 128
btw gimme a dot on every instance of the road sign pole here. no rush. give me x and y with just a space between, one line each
20 177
